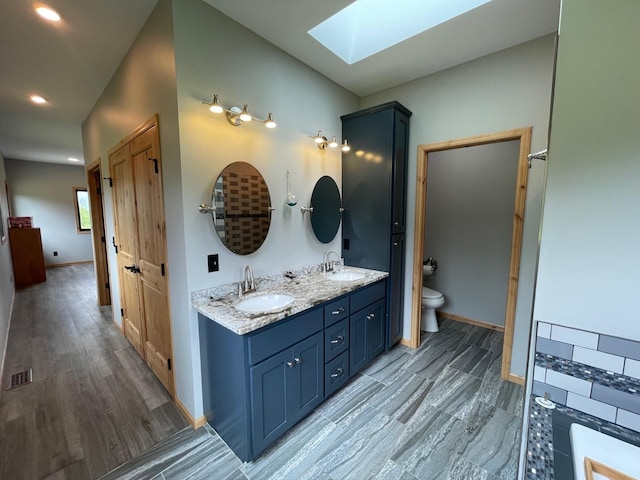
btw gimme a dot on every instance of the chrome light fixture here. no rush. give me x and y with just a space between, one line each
236 115
323 142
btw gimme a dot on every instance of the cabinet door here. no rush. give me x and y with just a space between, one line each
357 341
399 174
375 318
272 408
396 291
308 375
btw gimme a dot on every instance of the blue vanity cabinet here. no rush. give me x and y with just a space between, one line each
367 325
285 388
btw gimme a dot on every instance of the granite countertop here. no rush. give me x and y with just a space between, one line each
309 286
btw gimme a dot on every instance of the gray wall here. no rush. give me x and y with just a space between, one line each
7 290
143 85
588 275
506 90
44 191
469 223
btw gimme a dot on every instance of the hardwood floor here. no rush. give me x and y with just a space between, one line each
440 412
93 403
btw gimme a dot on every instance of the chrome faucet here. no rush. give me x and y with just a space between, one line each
248 284
328 266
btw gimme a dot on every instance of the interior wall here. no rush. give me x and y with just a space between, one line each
216 55
588 276
468 228
7 289
143 85
44 191
502 91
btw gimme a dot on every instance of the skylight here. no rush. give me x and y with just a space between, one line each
367 27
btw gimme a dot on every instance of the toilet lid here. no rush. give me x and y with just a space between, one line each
428 293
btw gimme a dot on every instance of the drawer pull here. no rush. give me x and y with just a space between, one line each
289 364
337 340
337 373
338 311
297 360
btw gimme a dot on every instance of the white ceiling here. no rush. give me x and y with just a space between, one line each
70 63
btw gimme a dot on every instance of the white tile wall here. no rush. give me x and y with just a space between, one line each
575 337
567 382
605 361
632 368
544 330
592 407
628 419
539 374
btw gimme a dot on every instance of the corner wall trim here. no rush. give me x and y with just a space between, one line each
516 379
406 343
195 423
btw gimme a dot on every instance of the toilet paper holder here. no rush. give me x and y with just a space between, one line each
432 263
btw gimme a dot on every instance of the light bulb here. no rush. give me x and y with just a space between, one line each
38 99
244 116
48 14
345 146
269 123
333 143
318 138
215 106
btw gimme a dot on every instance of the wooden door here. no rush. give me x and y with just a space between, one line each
141 243
94 183
124 213
145 155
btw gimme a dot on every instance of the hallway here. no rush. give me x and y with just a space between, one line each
93 403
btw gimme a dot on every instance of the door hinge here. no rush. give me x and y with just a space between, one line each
106 285
162 269
113 241
99 191
103 240
169 363
155 164
110 181
122 312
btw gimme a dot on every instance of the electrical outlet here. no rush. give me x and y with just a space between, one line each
212 262
55 253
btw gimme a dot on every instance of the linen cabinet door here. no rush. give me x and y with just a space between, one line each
272 408
375 317
308 375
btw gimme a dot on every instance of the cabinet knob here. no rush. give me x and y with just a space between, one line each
338 311
297 360
370 316
289 364
395 244
337 373
337 340
396 223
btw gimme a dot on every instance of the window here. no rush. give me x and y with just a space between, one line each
83 215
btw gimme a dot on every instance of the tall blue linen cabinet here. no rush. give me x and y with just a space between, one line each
374 198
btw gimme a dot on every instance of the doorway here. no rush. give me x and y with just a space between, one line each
94 184
141 249
523 135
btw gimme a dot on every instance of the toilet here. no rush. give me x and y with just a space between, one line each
431 299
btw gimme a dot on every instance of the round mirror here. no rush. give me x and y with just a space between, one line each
327 209
241 208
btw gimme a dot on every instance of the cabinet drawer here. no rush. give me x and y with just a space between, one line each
335 311
283 334
336 339
336 373
368 295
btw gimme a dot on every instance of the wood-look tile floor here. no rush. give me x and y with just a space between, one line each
93 403
439 412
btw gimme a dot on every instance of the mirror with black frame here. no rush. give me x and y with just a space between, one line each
327 209
241 208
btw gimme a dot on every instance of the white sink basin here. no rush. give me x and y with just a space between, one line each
604 449
264 303
344 276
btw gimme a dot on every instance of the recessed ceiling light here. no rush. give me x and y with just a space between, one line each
38 99
48 13
71 159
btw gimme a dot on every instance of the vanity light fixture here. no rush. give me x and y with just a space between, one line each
323 142
236 115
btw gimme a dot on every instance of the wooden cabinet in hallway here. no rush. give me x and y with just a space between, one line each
141 247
